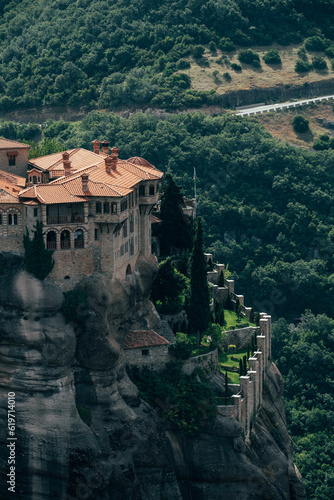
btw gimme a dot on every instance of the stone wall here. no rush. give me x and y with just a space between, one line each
154 357
206 362
247 397
240 337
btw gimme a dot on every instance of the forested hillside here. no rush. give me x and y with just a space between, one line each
120 53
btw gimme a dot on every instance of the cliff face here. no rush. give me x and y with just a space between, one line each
218 464
82 431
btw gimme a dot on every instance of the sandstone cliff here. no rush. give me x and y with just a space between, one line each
82 430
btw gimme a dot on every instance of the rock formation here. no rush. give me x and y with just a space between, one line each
83 432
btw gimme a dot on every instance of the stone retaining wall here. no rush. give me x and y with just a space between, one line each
207 362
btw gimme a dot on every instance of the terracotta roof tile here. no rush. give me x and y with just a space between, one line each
12 178
137 160
50 194
6 197
143 338
9 144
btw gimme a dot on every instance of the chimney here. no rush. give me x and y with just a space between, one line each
96 146
108 163
114 158
115 151
84 180
66 163
105 147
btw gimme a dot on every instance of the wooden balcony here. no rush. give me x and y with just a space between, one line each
64 219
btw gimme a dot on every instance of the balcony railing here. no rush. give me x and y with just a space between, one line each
64 219
51 245
65 245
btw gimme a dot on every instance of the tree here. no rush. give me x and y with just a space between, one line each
272 57
183 346
39 261
175 231
199 310
168 287
300 124
221 279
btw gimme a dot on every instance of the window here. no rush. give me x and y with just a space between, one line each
12 219
34 179
98 207
114 208
105 208
136 196
65 240
124 205
128 270
145 352
132 223
11 160
151 191
35 212
0 218
141 190
51 240
79 238
132 247
125 229
96 234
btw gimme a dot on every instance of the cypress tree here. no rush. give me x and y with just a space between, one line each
245 365
38 260
221 279
199 310
252 316
237 306
229 303
226 387
175 231
248 350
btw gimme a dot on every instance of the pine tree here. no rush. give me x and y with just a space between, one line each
199 310
175 233
39 261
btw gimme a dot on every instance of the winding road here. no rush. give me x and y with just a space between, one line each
258 109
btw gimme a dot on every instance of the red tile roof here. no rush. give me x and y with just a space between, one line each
9 144
143 338
50 194
12 178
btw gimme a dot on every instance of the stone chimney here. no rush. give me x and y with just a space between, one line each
105 147
114 159
66 163
107 161
96 146
115 151
84 180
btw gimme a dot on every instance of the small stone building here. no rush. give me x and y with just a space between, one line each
146 348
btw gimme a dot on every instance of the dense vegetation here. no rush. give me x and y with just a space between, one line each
102 53
305 356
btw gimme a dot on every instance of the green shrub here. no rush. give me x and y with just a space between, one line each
236 67
302 66
319 63
183 64
198 51
330 51
302 54
316 44
75 306
247 56
320 145
212 47
185 400
226 45
300 124
324 137
214 331
85 414
183 346
227 77
272 57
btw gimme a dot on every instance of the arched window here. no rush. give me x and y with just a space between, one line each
98 207
34 179
65 240
12 219
141 190
151 191
51 240
131 220
79 238
128 270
